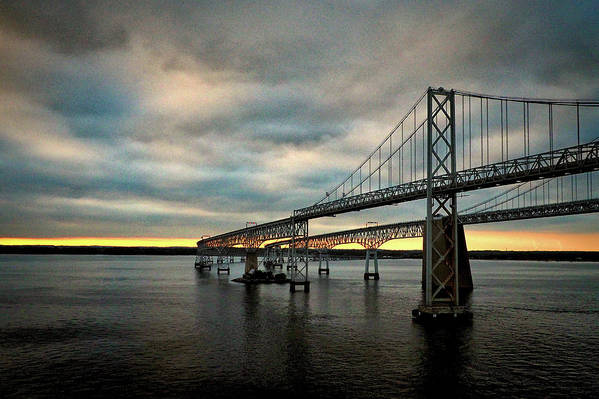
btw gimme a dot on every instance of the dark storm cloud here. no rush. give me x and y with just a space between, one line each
69 27
554 42
252 107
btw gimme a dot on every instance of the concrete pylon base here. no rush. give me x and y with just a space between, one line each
251 260
464 272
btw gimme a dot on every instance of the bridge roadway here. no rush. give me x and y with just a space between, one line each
373 237
570 160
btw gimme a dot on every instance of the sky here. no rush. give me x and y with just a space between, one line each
148 120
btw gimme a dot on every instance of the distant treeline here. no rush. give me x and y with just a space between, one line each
94 250
590 256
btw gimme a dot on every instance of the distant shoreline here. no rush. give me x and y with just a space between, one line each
571 256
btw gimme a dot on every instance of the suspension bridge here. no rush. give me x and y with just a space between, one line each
449 142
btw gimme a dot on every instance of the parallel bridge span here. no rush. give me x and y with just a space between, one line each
375 236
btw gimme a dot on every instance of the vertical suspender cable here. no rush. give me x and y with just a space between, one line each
588 192
578 153
524 129
550 127
507 133
423 155
390 177
411 178
577 124
501 106
401 156
470 132
482 153
487 101
398 161
360 180
528 128
370 174
543 203
379 168
463 134
412 174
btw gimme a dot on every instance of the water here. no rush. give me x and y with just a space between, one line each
127 326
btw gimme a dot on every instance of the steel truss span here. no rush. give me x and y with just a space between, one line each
254 236
533 212
373 237
571 160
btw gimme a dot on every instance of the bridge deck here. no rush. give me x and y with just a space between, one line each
571 160
374 236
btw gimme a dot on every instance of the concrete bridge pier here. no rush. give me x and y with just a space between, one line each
444 269
203 261
447 291
367 273
224 266
251 260
278 258
323 256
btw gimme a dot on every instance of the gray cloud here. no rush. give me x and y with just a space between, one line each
247 108
69 27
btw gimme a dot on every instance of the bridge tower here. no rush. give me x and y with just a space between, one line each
299 257
323 255
441 239
371 252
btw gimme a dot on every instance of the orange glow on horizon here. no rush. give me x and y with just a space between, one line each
476 240
532 241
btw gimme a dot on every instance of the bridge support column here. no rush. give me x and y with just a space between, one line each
367 273
251 260
320 259
203 261
299 241
443 270
224 266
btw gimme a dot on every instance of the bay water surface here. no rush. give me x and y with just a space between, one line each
153 326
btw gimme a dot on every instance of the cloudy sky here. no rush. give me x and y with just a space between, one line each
178 119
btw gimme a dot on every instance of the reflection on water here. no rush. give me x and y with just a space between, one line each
131 326
445 354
